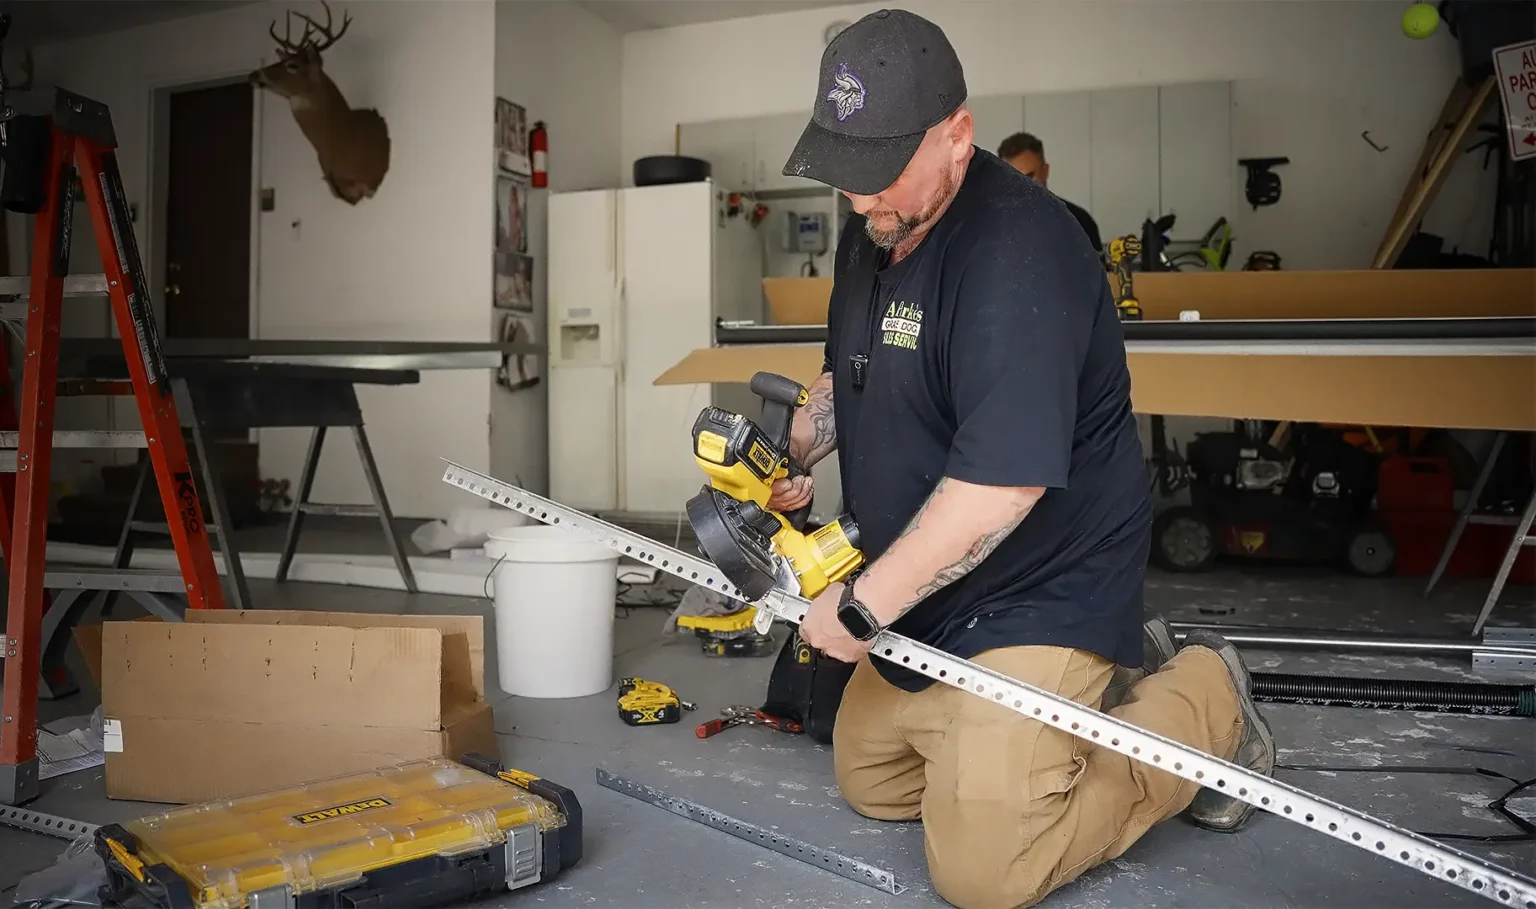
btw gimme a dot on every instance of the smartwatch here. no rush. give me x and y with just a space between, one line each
860 623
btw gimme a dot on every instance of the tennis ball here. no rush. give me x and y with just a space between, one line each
1421 20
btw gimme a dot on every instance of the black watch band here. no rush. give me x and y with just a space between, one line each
857 620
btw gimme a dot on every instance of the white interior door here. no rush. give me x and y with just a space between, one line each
666 234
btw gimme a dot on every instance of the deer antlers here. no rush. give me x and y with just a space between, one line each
308 40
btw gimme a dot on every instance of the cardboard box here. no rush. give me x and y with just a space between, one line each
1364 294
233 702
1457 392
798 301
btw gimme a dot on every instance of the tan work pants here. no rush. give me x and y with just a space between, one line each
1013 808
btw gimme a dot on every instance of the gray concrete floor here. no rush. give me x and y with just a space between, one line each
639 857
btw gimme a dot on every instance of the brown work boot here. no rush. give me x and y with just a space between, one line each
1157 648
1215 810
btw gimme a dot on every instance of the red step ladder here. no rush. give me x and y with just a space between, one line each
82 138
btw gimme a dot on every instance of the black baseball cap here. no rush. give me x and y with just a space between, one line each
885 80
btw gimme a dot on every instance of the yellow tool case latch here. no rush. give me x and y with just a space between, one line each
418 834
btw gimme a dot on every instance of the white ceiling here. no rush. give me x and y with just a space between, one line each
639 15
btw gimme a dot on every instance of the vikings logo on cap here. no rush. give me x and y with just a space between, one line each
848 94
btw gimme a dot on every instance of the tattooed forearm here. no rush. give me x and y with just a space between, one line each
814 434
962 566
955 530
917 518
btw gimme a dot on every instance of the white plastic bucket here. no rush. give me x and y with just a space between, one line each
554 593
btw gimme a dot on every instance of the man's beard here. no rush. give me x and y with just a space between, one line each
890 238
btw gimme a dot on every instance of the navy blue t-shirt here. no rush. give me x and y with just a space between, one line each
995 357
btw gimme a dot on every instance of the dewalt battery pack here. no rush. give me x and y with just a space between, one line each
422 834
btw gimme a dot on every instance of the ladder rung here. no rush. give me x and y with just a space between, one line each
162 528
74 285
344 511
82 438
91 578
1497 520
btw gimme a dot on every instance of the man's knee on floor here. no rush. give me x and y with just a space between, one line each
984 882
877 793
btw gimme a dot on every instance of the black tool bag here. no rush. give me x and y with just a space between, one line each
807 687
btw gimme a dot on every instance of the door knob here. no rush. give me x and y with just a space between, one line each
173 290
174 266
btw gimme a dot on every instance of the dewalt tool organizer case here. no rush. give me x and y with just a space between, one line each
417 834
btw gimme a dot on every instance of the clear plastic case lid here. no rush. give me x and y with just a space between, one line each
329 833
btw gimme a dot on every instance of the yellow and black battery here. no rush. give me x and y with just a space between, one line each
646 703
424 833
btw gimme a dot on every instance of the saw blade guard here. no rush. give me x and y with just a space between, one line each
738 538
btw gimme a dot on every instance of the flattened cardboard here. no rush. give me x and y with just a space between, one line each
798 301
1450 392
801 362
1364 294
1446 392
316 676
1348 294
463 635
230 703
1496 392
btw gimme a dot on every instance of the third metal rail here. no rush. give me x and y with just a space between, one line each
1404 847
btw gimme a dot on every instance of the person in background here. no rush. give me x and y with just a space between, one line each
1027 154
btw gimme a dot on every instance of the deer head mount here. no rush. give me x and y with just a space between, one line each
352 144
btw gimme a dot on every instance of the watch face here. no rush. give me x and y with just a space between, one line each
857 622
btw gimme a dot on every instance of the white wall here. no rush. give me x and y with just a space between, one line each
1309 77
562 64
410 264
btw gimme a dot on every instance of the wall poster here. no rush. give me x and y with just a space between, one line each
512 138
517 371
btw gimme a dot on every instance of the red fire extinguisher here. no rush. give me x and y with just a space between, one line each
538 145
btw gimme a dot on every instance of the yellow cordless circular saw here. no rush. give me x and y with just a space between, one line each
756 549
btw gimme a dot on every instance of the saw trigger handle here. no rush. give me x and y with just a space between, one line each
781 398
798 518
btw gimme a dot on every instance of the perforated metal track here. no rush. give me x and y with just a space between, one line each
46 824
1420 853
835 862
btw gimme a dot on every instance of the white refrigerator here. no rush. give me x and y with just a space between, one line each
637 277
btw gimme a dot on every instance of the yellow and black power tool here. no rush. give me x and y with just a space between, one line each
756 549
728 635
1122 252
